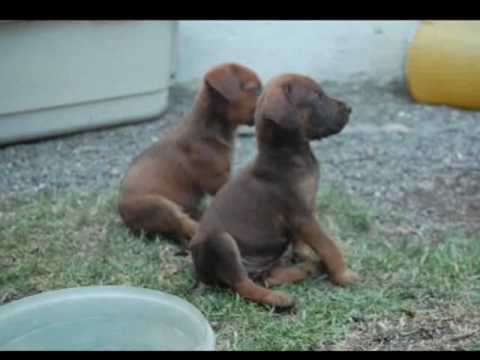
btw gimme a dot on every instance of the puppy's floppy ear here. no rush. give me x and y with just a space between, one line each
225 81
276 106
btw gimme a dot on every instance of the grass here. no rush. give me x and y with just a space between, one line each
415 294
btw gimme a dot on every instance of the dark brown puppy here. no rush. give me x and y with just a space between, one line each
269 207
165 184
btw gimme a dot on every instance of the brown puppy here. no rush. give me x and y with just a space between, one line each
165 184
269 207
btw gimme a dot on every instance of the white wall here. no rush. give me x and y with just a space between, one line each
326 50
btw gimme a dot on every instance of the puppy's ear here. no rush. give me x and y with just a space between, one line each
225 81
276 106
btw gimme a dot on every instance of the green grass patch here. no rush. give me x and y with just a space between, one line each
77 239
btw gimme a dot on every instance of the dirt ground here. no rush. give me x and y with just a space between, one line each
416 161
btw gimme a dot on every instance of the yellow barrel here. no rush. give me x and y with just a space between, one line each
443 63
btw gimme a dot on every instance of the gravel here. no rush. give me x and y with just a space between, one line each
401 157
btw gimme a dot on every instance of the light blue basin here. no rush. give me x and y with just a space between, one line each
103 318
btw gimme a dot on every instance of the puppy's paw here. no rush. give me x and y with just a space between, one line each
182 253
346 277
279 300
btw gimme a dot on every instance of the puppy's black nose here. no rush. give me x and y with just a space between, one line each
344 107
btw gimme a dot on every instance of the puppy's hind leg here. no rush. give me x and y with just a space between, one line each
155 214
289 274
218 260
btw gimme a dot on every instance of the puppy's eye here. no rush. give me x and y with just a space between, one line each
257 91
253 88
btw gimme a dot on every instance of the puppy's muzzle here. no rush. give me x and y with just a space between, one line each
336 126
344 109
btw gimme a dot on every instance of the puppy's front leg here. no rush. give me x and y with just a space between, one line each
214 183
309 231
210 169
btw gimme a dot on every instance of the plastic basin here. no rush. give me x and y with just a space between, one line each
103 318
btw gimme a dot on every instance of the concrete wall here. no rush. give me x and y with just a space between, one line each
326 50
